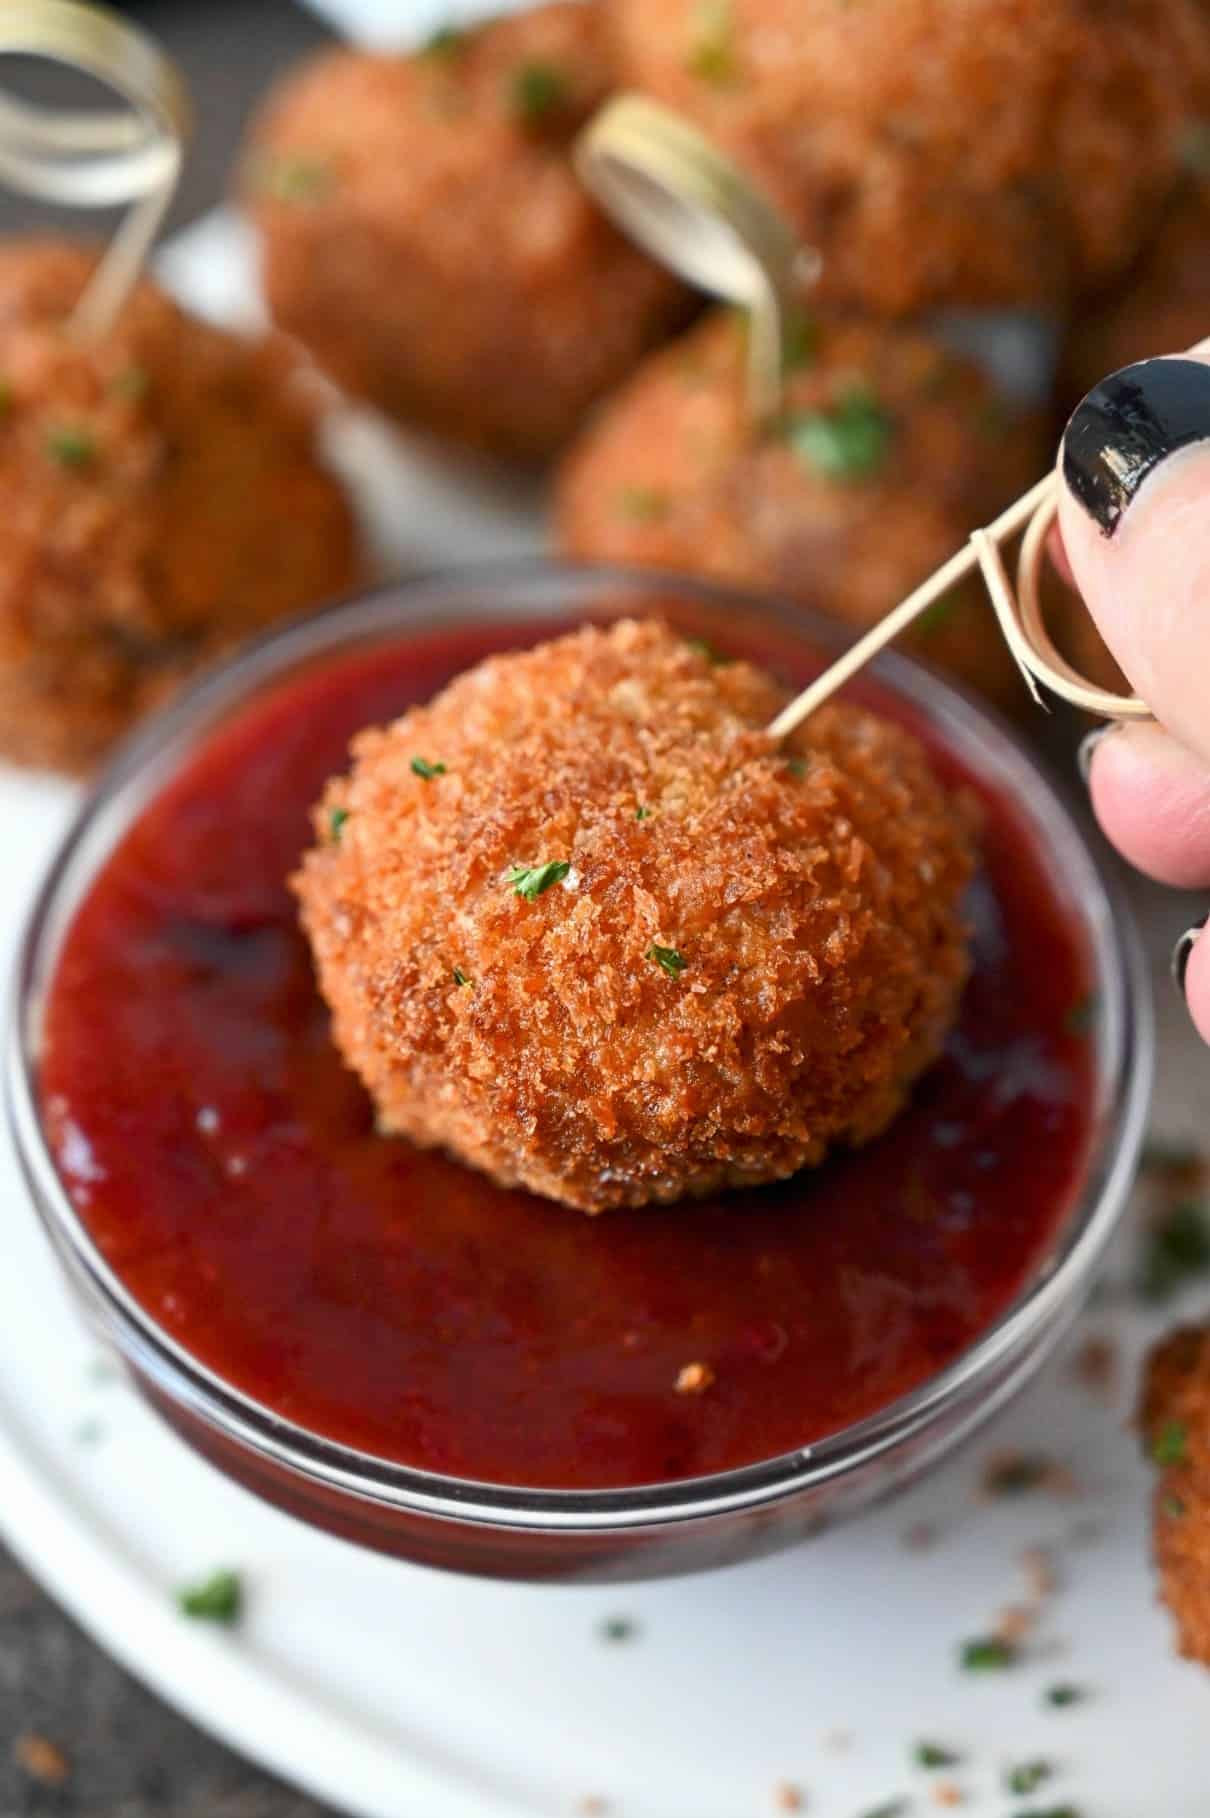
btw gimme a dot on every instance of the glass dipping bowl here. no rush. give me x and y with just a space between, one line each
658 1528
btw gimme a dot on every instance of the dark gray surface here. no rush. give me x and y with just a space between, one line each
130 1756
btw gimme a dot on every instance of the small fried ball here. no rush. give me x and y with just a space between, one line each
888 452
162 499
1176 1426
973 152
1163 306
425 235
580 923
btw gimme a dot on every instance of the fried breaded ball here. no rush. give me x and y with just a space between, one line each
1004 152
1176 1428
889 451
162 499
426 237
582 925
1163 307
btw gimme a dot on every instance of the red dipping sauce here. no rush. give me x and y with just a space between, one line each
225 1162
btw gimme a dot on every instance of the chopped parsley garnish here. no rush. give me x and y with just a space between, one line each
132 383
1027 1776
1171 1444
1174 1507
447 42
1176 1251
1082 1015
422 767
796 765
1060 1697
642 814
1054 1811
530 881
219 1598
712 51
71 446
618 1628
704 648
931 1755
669 959
934 617
894 1808
336 823
986 1654
295 179
460 977
643 504
849 442
537 91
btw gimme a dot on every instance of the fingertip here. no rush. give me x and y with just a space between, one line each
1197 984
1152 799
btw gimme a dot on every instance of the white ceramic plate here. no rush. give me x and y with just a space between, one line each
386 1689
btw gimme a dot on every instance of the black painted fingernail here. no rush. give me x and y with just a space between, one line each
1088 745
1126 426
1182 950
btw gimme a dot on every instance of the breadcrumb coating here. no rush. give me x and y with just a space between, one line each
974 152
1175 1419
426 238
619 948
889 450
147 479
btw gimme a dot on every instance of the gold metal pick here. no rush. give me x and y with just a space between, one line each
96 159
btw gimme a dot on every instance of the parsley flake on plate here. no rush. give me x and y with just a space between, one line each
848 443
1171 1444
537 91
71 446
672 962
219 1598
986 1654
336 824
422 767
1027 1776
1176 1251
932 1755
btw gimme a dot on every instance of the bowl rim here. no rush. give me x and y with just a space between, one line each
1124 1046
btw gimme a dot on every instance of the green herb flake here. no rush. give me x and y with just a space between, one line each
931 1755
934 618
643 504
1171 1444
1062 1697
642 814
1027 1776
796 765
219 1598
709 652
460 977
986 1654
71 446
422 767
336 824
848 443
672 962
1017 1474
1174 1508
443 45
618 1628
1082 1015
894 1808
1176 1251
712 50
131 384
536 91
530 881
1054 1811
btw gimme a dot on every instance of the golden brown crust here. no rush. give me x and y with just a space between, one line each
1175 1418
444 261
673 475
1006 152
815 907
147 479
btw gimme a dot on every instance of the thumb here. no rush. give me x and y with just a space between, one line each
1134 511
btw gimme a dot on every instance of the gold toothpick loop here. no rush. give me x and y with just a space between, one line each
696 212
96 159
1018 612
